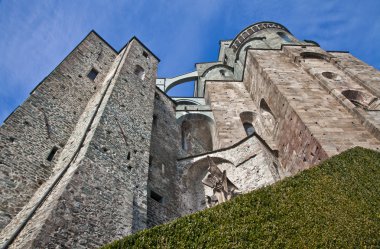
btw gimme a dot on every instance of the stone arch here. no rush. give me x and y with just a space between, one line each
172 82
250 30
197 133
253 42
193 190
229 71
359 98
214 73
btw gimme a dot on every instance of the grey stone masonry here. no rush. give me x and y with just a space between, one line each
106 160
100 151
45 121
165 142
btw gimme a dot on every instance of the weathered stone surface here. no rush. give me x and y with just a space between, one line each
165 143
46 120
249 164
107 157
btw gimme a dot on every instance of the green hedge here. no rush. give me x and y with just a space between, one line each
334 205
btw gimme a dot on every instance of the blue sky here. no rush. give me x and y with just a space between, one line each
36 35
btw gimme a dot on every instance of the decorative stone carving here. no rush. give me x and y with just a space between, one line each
223 189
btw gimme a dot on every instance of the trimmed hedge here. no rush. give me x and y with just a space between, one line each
334 205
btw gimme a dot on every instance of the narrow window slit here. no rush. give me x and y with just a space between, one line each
154 120
52 154
150 160
155 196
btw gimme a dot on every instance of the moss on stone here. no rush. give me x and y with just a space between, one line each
333 205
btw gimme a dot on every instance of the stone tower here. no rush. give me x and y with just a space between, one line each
99 151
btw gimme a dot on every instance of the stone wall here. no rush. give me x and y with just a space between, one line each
305 131
212 71
86 161
165 143
44 122
250 164
358 70
228 100
197 133
102 192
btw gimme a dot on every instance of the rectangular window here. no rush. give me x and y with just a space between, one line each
155 196
92 74
145 54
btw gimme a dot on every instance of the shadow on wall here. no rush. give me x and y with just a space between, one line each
267 118
197 133
194 192
360 99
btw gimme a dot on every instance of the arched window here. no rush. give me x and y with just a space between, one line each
284 36
249 129
312 55
140 72
247 119
359 98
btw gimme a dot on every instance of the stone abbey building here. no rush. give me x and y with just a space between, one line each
99 151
